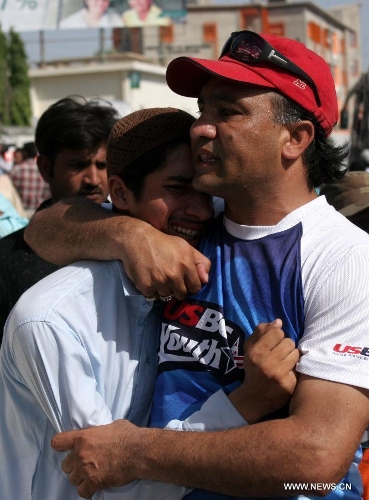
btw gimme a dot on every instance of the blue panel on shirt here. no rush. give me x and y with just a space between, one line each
201 347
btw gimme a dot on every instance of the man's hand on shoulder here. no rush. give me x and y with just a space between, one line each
96 458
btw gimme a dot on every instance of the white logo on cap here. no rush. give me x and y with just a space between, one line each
300 84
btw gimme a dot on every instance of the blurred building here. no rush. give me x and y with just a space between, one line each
333 34
129 81
135 76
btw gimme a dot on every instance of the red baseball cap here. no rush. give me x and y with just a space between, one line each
187 75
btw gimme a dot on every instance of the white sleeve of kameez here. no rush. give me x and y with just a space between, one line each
217 413
57 370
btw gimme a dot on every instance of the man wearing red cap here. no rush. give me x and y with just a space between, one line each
267 107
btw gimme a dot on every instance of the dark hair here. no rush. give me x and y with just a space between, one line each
134 175
325 162
74 123
29 150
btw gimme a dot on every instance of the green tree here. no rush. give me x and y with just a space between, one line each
20 103
4 108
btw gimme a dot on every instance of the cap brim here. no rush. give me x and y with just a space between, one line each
186 75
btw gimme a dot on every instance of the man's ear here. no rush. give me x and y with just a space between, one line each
301 134
45 167
119 193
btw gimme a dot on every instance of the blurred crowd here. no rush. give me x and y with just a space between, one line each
22 187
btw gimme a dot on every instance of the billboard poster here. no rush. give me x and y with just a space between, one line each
37 15
26 15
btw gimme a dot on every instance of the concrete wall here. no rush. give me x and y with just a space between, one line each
110 81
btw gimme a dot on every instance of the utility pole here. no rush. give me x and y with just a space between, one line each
102 45
41 38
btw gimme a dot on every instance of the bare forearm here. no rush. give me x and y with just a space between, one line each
257 460
223 464
156 263
71 231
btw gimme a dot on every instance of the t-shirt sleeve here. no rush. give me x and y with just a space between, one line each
335 343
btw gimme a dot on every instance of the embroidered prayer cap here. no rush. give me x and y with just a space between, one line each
143 130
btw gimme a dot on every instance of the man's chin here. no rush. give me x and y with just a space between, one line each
97 198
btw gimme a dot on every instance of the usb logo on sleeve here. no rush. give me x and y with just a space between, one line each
351 350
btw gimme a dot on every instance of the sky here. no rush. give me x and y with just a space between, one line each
84 43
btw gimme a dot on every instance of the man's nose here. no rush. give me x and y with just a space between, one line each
92 175
202 128
200 206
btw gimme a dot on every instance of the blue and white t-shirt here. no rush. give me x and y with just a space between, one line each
304 270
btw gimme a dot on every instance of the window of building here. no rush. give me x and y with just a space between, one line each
314 32
166 34
209 32
327 38
336 47
209 35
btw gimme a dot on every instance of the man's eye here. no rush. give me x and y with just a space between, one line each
227 112
76 166
176 187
